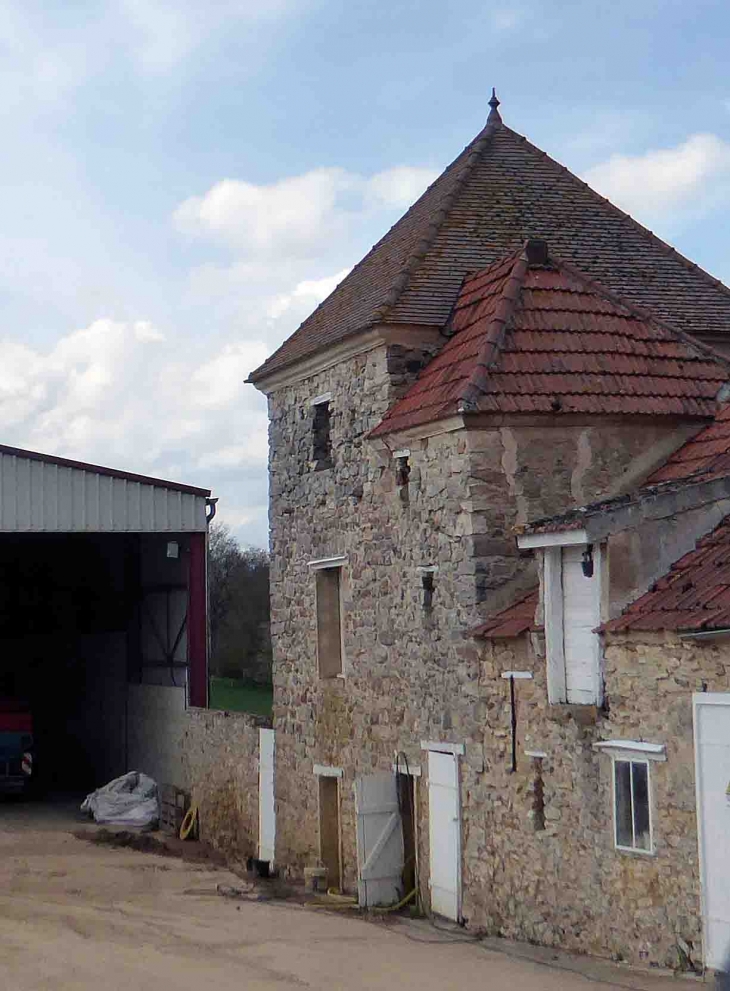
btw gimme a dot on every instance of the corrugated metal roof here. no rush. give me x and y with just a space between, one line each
517 619
694 595
533 335
499 191
42 493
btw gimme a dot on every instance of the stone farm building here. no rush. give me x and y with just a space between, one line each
500 476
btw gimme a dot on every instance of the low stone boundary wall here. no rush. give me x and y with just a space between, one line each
220 759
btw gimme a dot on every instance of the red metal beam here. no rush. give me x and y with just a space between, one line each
197 622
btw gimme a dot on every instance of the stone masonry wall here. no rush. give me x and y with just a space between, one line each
566 884
410 673
403 664
220 769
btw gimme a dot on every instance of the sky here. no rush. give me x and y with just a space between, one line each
183 182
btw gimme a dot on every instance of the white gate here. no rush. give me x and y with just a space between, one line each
712 771
379 840
444 829
267 813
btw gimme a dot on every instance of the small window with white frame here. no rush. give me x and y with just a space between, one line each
631 765
632 805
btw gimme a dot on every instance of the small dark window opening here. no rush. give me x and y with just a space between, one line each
428 586
321 439
538 796
402 476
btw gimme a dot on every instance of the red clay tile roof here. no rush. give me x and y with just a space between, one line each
511 622
695 595
704 456
500 191
533 335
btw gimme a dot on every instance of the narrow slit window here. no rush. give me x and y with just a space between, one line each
632 805
321 437
329 623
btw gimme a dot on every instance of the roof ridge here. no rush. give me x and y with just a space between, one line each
663 245
642 312
398 286
477 382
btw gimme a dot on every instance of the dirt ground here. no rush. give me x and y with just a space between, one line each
74 915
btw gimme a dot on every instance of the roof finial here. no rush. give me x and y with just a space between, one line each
494 117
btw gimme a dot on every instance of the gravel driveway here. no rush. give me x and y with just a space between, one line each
77 916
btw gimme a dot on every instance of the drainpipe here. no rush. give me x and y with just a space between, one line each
706 634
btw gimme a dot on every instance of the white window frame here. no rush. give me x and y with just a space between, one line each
631 759
554 617
634 752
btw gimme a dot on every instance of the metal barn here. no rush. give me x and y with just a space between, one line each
102 614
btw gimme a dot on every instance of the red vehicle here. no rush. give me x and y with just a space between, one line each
16 746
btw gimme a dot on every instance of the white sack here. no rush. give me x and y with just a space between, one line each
127 801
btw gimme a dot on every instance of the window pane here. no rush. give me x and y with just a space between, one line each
641 807
624 832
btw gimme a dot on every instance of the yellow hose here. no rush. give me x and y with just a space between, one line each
400 904
189 822
342 901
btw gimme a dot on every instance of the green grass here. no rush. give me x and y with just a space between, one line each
235 695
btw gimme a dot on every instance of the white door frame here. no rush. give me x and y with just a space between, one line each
267 801
698 699
454 750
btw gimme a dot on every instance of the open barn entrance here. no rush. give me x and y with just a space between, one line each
103 640
94 636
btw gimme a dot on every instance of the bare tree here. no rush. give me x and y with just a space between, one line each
238 589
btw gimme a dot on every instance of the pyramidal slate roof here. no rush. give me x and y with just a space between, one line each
533 335
500 191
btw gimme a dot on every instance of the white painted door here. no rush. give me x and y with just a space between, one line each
267 813
379 840
712 764
444 830
581 615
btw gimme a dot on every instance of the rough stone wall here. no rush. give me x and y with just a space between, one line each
566 884
405 666
410 673
220 770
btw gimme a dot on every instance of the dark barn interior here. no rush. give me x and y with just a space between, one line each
83 617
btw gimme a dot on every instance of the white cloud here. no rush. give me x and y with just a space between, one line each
399 186
49 51
294 216
507 18
163 32
664 182
120 394
305 296
289 215
218 383
171 400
